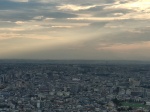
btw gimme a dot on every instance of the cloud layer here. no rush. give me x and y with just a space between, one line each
67 29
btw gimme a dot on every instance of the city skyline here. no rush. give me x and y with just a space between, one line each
66 30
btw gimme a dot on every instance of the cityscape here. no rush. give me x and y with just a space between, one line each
74 87
74 55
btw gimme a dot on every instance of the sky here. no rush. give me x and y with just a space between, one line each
75 29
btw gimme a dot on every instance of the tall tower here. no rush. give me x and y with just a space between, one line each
39 105
144 93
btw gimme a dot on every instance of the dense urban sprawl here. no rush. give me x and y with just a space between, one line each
38 87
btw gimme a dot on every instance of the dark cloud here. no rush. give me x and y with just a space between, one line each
98 24
59 15
24 11
76 1
128 37
21 16
26 16
7 24
111 12
9 5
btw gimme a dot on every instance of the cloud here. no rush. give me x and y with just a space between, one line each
19 0
139 5
74 7
4 36
112 12
38 17
124 37
11 15
7 24
61 26
139 9
19 22
99 18
74 28
73 2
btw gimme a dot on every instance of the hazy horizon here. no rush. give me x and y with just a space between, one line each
75 30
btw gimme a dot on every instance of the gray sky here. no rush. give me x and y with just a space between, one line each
75 29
